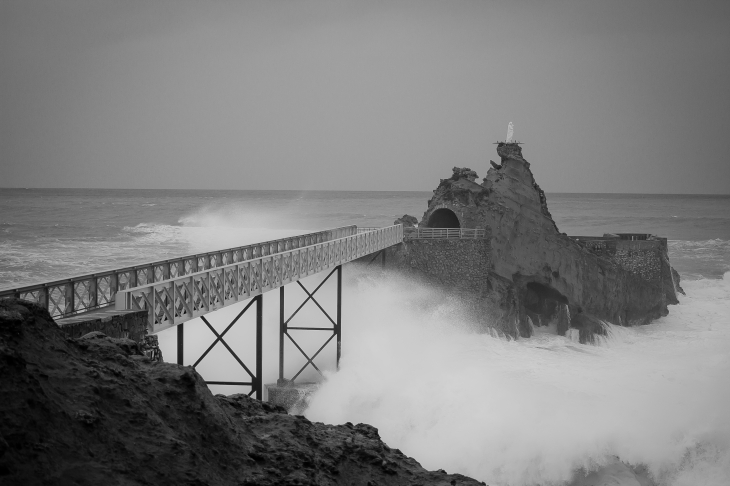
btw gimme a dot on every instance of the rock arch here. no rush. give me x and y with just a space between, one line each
544 305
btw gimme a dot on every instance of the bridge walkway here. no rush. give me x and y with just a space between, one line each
76 295
172 292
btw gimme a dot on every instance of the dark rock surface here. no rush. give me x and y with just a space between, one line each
537 273
407 221
95 411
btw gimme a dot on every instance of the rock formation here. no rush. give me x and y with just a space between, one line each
95 411
537 275
407 221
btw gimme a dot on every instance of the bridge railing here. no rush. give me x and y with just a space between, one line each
180 299
74 295
441 233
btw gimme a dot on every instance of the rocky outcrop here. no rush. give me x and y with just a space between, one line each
464 173
407 221
97 411
538 274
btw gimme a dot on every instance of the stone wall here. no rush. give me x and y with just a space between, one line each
130 325
457 264
640 257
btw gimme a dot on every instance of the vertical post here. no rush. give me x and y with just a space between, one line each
339 314
43 298
153 309
93 298
259 346
180 343
113 285
282 330
69 298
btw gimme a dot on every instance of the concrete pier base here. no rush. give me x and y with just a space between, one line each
112 322
294 397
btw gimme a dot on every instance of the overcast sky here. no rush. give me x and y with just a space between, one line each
608 96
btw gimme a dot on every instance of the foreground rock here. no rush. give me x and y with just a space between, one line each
96 411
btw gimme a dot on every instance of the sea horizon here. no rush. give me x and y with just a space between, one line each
721 195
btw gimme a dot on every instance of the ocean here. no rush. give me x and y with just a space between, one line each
507 412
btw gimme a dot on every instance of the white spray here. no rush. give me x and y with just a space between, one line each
532 411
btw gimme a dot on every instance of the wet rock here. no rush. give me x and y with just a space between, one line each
615 473
675 279
94 411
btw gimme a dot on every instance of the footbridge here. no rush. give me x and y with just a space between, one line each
172 292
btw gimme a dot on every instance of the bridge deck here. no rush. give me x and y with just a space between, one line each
177 300
93 296
71 296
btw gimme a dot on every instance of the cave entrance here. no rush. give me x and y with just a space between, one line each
545 305
443 218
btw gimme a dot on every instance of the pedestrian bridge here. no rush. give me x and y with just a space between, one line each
175 291
179 299
172 292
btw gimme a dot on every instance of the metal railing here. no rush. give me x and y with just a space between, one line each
70 296
180 299
441 233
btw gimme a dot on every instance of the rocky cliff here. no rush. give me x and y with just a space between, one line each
537 274
95 411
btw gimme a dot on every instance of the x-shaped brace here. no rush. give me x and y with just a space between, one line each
219 338
334 329
311 296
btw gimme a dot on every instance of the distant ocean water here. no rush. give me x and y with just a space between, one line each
523 412
54 233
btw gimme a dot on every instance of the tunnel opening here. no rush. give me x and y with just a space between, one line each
443 218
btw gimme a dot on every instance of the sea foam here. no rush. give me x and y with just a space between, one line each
532 411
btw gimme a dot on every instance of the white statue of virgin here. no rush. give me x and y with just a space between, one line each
510 132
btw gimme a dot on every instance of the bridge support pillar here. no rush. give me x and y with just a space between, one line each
180 343
338 326
288 388
256 382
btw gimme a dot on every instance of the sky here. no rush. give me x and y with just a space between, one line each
607 96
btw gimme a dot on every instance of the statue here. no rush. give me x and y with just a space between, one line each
510 132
